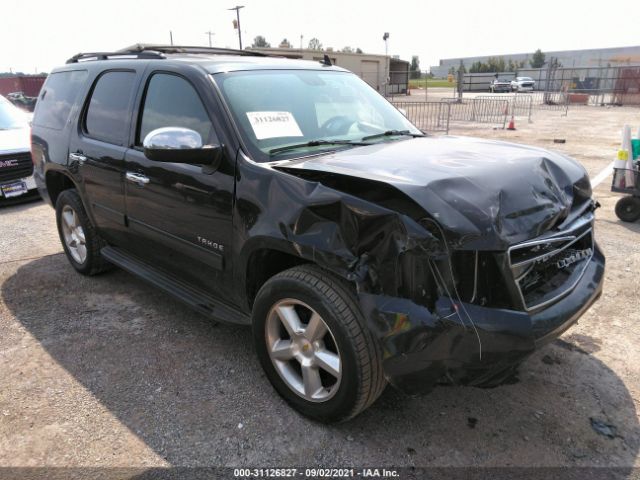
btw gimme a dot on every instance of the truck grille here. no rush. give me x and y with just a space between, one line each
546 269
15 166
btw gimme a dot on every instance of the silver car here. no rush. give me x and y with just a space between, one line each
523 84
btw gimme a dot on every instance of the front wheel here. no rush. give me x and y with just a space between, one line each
314 346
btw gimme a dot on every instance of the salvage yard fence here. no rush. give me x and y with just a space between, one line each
436 117
598 85
431 117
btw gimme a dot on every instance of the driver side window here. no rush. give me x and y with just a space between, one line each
171 101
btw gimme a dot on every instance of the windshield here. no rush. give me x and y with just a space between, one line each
308 111
10 116
526 79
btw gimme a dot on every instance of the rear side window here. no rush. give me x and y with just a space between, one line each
107 114
171 101
57 97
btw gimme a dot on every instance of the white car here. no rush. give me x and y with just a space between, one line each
523 84
16 168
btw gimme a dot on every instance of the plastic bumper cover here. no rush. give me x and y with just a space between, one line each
466 343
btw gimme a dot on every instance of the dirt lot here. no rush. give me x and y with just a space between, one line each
107 371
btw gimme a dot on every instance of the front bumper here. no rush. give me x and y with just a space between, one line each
421 347
26 188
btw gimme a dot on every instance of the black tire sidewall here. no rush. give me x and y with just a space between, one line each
621 206
71 198
341 404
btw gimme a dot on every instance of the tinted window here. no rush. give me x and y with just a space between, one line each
109 107
171 101
57 97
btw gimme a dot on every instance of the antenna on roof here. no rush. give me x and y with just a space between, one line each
326 61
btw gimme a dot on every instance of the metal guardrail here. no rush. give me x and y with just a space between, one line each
428 116
520 105
480 110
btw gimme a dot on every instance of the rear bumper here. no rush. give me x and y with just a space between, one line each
420 347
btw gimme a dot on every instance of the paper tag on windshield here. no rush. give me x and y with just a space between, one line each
273 124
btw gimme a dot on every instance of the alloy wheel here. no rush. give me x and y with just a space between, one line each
303 350
73 234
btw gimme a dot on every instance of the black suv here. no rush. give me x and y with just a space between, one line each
290 196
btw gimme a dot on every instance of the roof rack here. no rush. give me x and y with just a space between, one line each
169 49
151 51
81 57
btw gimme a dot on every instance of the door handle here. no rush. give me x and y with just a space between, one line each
137 178
77 157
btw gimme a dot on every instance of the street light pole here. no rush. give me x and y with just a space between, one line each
211 34
237 9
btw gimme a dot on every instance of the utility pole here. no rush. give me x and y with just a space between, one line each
211 34
237 9
385 38
171 37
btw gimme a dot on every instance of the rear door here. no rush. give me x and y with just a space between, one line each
180 216
97 148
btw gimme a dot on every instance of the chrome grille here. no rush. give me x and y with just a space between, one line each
548 268
14 166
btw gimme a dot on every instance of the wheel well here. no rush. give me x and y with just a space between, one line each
57 182
264 264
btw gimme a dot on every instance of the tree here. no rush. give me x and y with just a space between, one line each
347 50
537 60
359 50
284 44
260 41
314 44
414 69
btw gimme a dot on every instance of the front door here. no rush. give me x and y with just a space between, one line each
179 215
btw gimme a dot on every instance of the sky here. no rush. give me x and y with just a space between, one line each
40 34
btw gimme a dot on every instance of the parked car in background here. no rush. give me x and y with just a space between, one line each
16 168
523 84
500 85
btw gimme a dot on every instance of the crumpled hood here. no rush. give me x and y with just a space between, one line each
16 139
485 194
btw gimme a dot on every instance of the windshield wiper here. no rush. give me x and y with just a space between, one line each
316 143
391 133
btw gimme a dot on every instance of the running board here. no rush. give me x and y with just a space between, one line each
195 298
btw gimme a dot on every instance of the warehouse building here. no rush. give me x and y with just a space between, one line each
599 57
386 74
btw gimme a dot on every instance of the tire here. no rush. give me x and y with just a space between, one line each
306 290
628 209
86 260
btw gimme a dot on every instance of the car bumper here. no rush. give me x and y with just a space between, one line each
18 189
421 347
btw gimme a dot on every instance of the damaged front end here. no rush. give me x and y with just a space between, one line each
460 276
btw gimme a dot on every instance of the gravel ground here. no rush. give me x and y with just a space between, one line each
109 372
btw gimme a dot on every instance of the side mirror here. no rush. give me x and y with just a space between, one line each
179 145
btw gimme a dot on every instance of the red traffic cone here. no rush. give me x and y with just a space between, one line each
512 124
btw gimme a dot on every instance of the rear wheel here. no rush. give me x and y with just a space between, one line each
79 238
314 346
628 209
